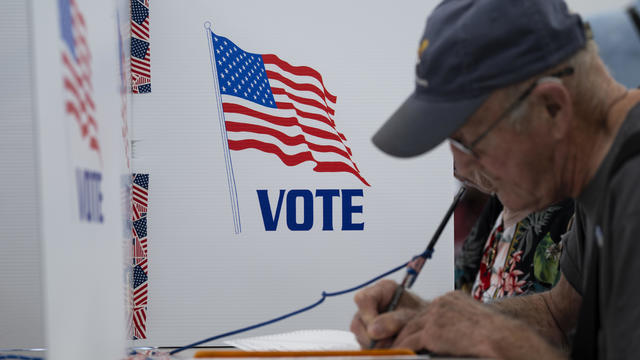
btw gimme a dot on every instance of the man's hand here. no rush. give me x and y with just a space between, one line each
369 324
456 324
452 324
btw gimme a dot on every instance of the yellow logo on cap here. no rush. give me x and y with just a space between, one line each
423 46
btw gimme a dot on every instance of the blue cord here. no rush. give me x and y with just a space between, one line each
20 357
427 254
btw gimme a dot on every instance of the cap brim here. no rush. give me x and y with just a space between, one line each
421 123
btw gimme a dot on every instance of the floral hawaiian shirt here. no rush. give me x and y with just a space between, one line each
496 262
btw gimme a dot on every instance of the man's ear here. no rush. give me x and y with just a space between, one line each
556 100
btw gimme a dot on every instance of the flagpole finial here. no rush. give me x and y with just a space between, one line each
207 25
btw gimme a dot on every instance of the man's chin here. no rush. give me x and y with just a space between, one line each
514 203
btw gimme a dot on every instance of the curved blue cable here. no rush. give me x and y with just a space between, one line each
426 255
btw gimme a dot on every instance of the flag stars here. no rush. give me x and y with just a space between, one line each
242 74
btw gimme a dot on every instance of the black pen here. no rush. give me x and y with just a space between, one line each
415 265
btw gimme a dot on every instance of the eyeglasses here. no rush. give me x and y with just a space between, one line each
468 149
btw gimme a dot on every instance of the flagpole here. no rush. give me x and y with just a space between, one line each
233 193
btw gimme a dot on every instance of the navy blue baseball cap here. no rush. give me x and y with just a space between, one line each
469 49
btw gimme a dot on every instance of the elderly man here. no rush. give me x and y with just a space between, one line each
529 109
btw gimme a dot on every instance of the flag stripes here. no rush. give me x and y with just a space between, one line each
76 75
274 107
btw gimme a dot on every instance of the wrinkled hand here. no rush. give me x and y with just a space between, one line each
369 324
454 324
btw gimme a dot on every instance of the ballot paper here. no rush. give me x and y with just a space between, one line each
300 340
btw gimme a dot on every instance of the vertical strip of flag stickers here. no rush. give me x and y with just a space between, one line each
140 49
140 278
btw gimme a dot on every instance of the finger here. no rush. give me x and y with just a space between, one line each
414 325
372 300
383 343
413 341
411 300
389 324
358 329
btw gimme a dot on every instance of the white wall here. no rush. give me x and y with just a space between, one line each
590 7
21 297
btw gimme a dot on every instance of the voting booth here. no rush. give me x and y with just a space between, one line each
262 186
64 198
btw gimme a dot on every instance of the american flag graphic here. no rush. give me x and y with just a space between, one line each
140 49
76 73
140 279
277 108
